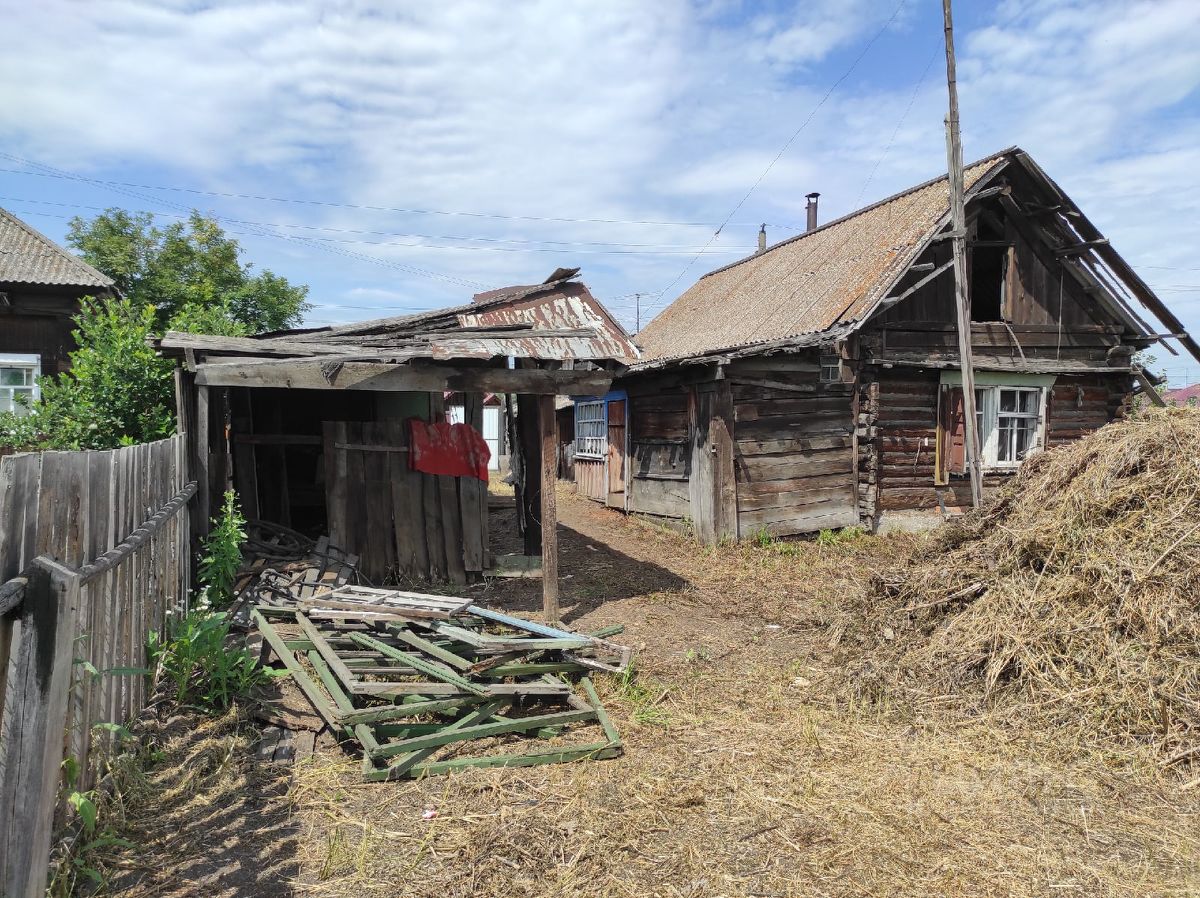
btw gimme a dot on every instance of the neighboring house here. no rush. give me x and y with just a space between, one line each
1189 395
816 384
41 285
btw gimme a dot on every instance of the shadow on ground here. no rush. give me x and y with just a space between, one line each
203 817
592 572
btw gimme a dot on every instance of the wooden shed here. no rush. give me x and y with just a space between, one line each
314 427
816 384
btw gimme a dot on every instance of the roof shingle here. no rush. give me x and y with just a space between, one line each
808 284
29 257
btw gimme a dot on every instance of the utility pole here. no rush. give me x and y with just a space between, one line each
637 304
962 299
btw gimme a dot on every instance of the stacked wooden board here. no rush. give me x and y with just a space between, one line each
420 681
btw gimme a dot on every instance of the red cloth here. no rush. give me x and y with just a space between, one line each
457 450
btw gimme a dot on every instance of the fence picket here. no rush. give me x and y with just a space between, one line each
72 508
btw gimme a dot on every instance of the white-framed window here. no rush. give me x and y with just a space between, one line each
18 382
1010 422
831 369
591 437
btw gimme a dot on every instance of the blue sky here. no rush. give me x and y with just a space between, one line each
398 157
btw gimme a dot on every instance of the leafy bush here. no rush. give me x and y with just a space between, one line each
222 556
202 665
118 391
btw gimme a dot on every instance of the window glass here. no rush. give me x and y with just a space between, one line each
590 427
18 385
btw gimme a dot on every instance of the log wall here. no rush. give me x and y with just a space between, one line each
793 459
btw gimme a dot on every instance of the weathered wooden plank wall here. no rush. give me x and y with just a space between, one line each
399 521
794 457
660 452
69 509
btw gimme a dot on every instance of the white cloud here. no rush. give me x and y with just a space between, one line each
626 110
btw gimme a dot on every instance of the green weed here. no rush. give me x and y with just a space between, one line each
222 556
202 666
644 697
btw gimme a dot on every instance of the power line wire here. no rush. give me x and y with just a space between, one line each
54 173
836 84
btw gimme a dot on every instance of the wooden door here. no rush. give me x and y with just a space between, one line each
615 467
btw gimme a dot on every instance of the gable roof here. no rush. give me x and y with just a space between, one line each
810 283
29 257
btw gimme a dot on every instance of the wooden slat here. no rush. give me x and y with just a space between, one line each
31 733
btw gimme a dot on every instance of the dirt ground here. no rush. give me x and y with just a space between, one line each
743 774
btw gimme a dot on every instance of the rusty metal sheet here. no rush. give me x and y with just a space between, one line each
565 305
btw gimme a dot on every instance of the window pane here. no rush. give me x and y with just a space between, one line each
1025 431
1008 401
1004 452
12 377
1029 402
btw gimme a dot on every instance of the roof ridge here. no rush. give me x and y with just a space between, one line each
52 249
862 211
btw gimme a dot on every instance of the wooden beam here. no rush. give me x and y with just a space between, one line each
962 297
34 724
1148 388
892 300
381 376
279 347
1081 247
548 430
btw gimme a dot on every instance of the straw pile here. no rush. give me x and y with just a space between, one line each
1075 596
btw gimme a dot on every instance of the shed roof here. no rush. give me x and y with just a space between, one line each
29 257
811 283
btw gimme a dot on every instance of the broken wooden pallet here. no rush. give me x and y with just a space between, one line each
417 693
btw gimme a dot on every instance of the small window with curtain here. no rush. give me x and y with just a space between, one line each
1010 418
831 369
590 429
18 382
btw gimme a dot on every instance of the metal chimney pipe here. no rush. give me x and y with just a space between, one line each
811 208
762 238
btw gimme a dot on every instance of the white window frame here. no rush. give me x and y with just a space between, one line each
831 369
591 416
988 415
22 360
988 385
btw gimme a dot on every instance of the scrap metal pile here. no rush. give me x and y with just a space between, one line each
428 684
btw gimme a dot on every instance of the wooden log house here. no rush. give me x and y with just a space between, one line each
816 384
41 285
310 426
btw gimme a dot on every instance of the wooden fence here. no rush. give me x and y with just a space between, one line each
93 554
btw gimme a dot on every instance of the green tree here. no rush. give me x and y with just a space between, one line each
189 272
119 390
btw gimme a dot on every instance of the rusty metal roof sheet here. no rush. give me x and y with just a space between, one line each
30 257
811 283
558 320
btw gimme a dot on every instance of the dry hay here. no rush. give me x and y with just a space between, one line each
748 784
1073 599
189 812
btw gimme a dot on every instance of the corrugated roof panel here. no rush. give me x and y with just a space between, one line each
29 257
810 283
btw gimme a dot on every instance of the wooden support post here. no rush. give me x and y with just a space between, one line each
32 740
958 219
199 441
529 486
548 429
